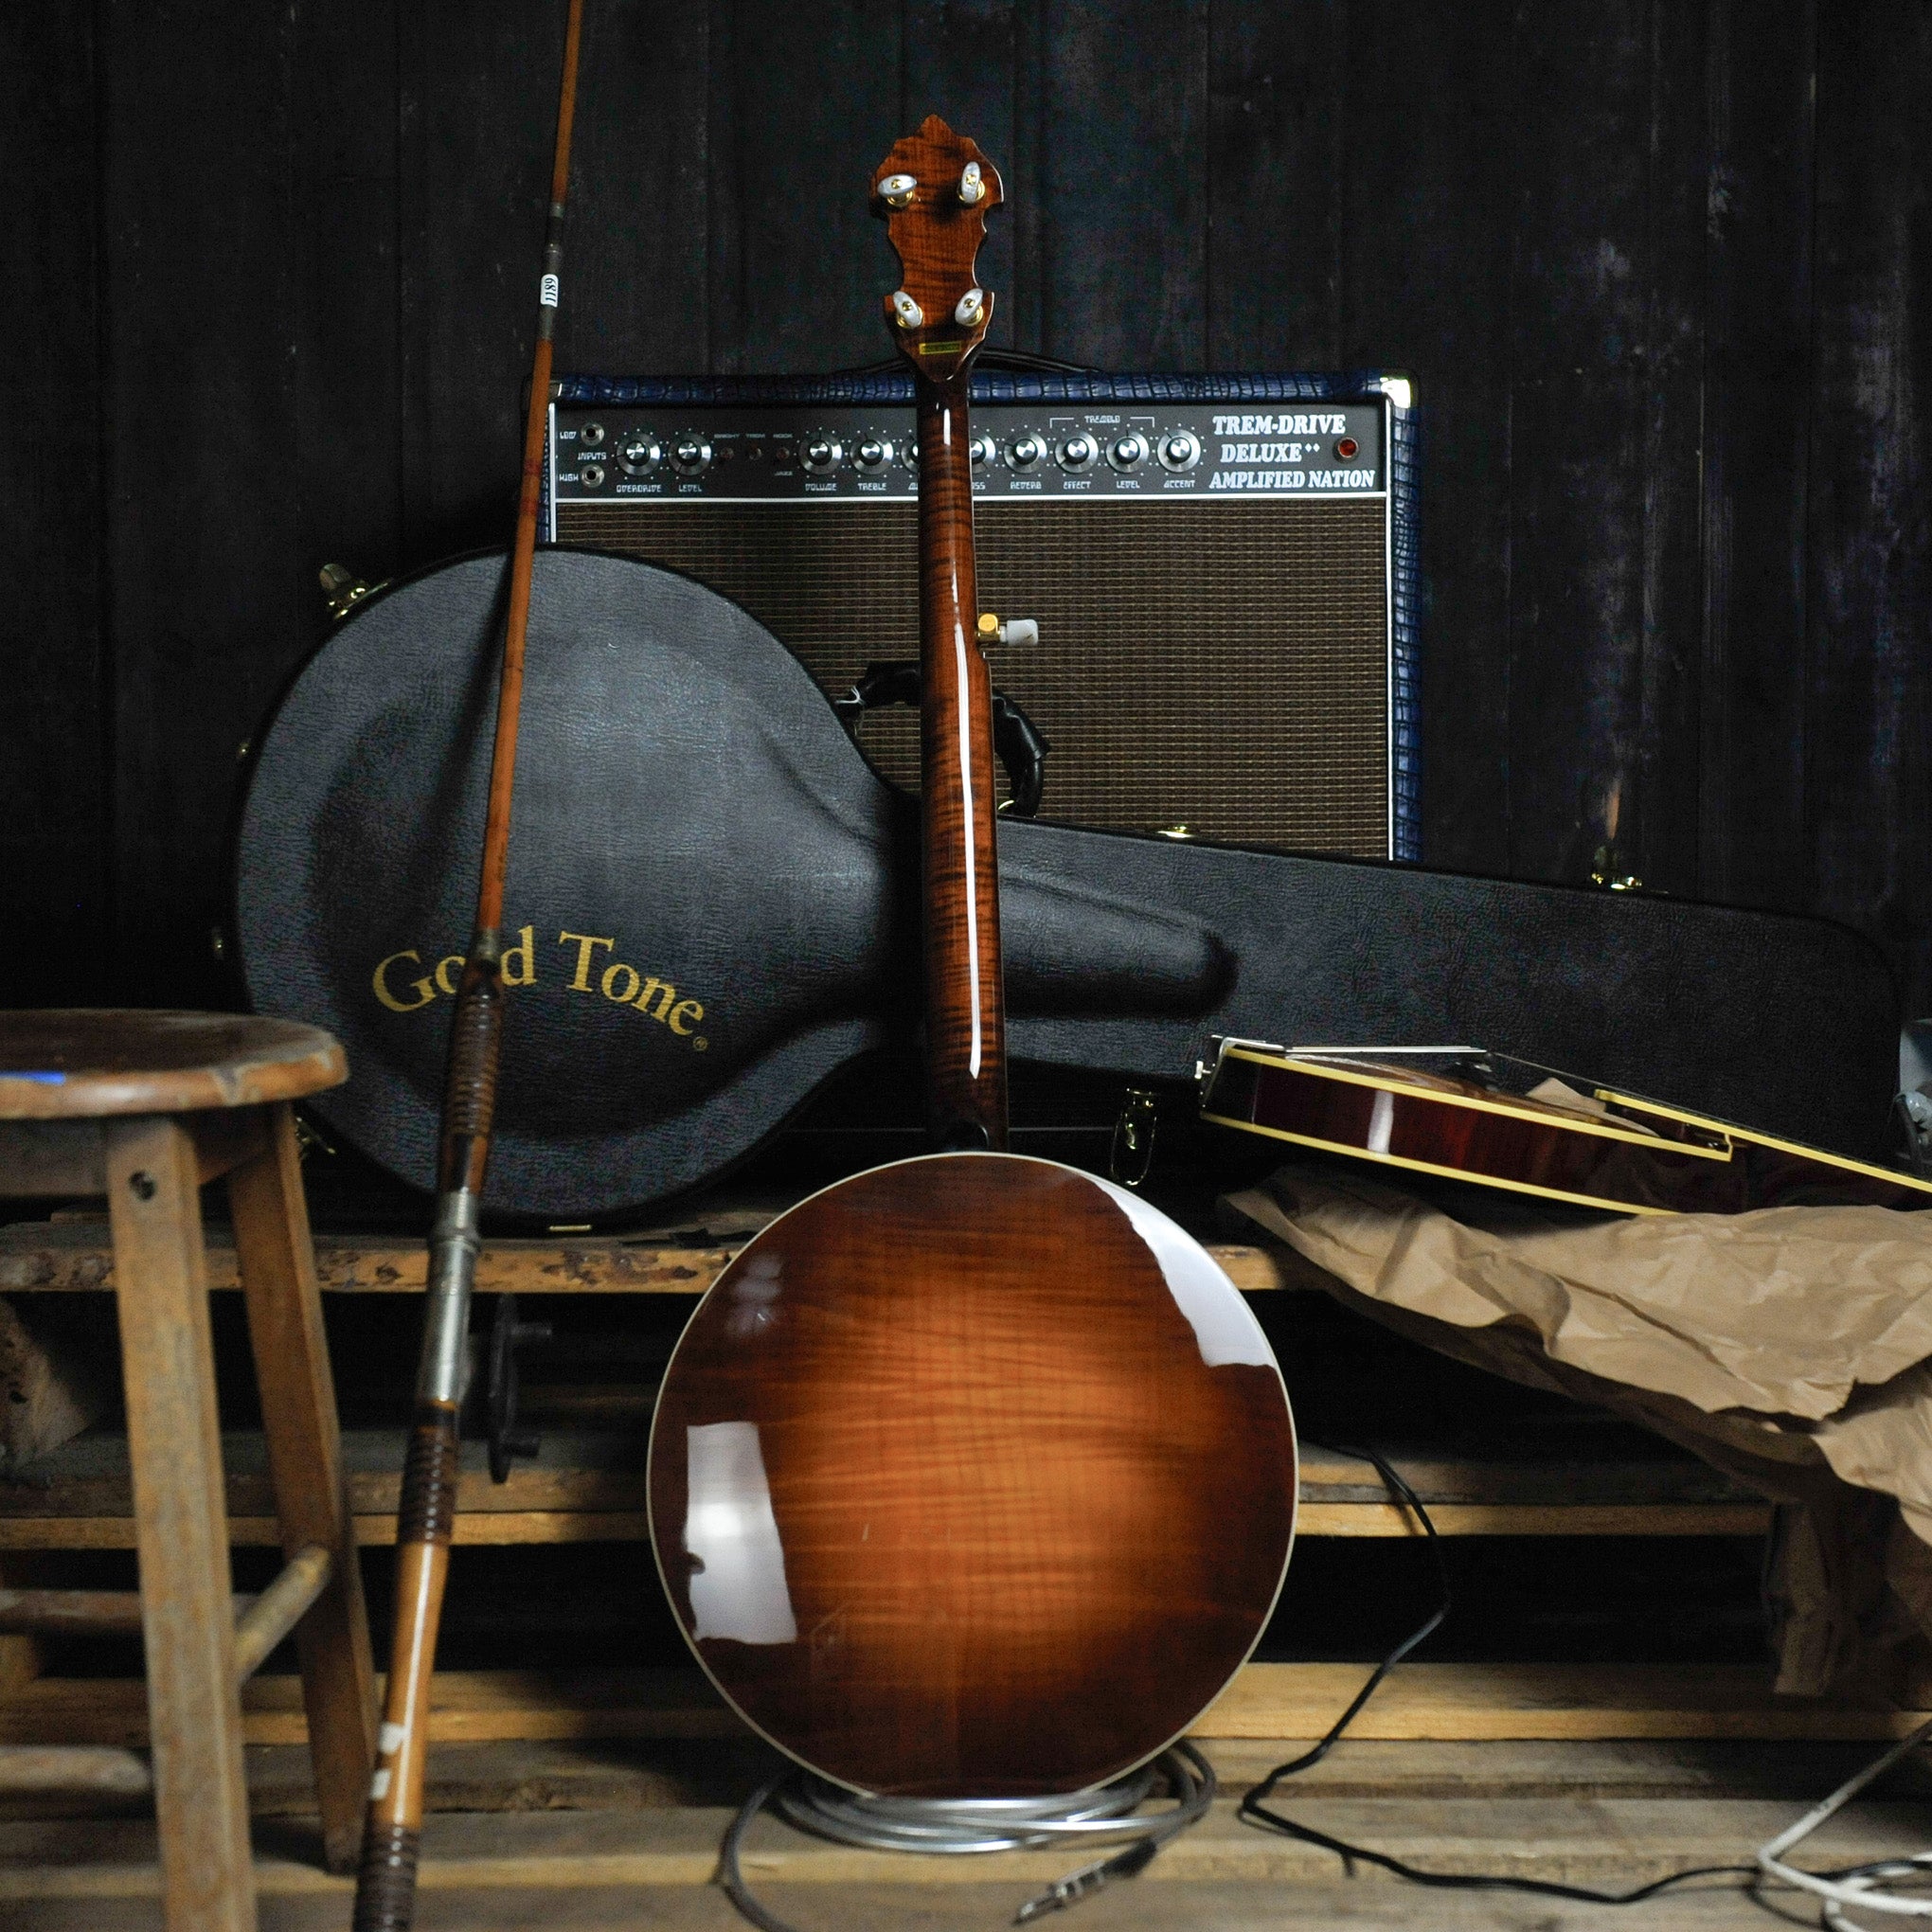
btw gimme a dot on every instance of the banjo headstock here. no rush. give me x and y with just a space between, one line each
934 192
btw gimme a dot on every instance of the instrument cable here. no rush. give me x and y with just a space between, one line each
1852 1884
971 1825
1253 1809
1193 1780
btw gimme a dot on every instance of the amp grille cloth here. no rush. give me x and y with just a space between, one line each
1223 666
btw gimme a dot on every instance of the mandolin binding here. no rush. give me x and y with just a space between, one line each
1596 1148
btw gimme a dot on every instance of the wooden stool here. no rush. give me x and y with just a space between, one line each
145 1107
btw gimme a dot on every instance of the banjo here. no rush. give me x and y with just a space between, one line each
972 1475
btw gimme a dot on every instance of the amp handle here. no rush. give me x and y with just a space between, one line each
1021 744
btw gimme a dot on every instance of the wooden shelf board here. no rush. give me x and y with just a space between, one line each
1456 1702
624 1839
1519 1700
589 1486
1537 1519
74 1256
495 1526
1568 1479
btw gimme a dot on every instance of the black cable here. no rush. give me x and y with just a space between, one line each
1030 361
1033 362
1397 1487
730 1876
1469 1881
1253 1809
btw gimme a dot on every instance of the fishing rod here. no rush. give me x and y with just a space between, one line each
386 1887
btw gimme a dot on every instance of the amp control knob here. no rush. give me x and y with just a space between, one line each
873 453
1127 452
1180 449
640 455
690 455
982 451
1027 451
1077 452
822 454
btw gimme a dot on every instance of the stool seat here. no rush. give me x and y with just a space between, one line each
80 1062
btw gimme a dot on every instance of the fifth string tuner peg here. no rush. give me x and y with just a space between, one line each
1014 630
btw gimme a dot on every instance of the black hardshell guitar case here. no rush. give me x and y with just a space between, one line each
712 908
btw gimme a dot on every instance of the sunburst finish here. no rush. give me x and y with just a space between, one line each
973 1474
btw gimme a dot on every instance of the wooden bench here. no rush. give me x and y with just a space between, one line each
589 1488
588 1485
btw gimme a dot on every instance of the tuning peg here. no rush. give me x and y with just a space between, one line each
972 185
972 307
1020 630
896 190
907 312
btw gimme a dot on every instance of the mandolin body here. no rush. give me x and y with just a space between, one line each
1621 1153
973 1474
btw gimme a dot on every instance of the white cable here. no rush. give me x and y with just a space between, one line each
1853 1888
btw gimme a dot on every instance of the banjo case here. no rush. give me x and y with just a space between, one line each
713 906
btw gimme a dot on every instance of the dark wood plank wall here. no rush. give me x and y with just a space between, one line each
55 742
1655 267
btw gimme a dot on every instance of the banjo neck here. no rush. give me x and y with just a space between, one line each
965 1007
935 190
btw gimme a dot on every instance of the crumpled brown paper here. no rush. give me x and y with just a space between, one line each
1790 1348
50 1389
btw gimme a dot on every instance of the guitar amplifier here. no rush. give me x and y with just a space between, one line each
1222 567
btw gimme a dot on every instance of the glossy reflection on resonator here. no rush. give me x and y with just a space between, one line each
736 1562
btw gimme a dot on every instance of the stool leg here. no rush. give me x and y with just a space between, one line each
278 1262
181 1526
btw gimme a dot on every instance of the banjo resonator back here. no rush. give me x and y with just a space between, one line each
973 1474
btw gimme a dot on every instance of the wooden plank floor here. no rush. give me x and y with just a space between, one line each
1605 1816
1149 1905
